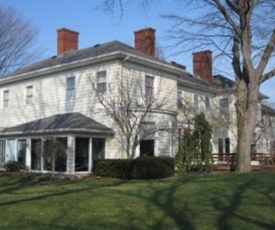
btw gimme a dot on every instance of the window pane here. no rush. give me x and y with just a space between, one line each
101 81
180 99
36 154
98 148
224 106
70 94
71 83
227 145
2 152
21 152
149 87
220 145
81 154
207 103
29 95
196 101
6 98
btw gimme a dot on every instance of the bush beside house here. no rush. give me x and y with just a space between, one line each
140 168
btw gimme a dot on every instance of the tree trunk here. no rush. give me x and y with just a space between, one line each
246 106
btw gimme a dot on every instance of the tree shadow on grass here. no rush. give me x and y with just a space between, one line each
165 201
230 207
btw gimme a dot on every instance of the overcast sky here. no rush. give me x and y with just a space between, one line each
96 27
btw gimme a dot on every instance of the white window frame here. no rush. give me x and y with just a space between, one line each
207 108
29 97
221 111
152 87
196 104
180 98
5 149
70 89
101 84
6 101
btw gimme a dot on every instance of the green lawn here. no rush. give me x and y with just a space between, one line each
227 201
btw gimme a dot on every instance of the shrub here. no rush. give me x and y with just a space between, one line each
116 168
152 167
14 166
140 168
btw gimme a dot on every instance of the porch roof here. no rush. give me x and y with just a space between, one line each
60 123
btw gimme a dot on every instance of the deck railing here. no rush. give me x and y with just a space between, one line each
227 161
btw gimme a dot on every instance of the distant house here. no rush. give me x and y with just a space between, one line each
54 99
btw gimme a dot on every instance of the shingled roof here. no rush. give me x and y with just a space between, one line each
78 55
60 123
219 81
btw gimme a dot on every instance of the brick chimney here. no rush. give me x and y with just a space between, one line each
145 41
66 40
202 65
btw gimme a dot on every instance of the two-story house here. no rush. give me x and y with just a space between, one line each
54 102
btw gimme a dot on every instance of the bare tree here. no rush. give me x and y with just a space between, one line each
17 40
242 31
132 104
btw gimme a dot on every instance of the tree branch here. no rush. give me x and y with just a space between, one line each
266 55
227 17
267 76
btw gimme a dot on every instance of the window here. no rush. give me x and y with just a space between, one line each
6 99
180 99
196 101
207 104
220 145
227 145
149 87
29 97
101 85
70 90
98 148
224 106
2 152
21 150
81 154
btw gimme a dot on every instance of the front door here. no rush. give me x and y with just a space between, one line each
147 148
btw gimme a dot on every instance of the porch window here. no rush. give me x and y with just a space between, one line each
54 154
98 148
36 154
21 151
2 152
149 87
101 85
81 154
70 89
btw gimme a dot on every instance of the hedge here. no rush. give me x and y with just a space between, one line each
14 166
139 168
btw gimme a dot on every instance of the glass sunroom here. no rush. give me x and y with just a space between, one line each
64 143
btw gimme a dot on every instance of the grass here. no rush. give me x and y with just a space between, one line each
224 201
